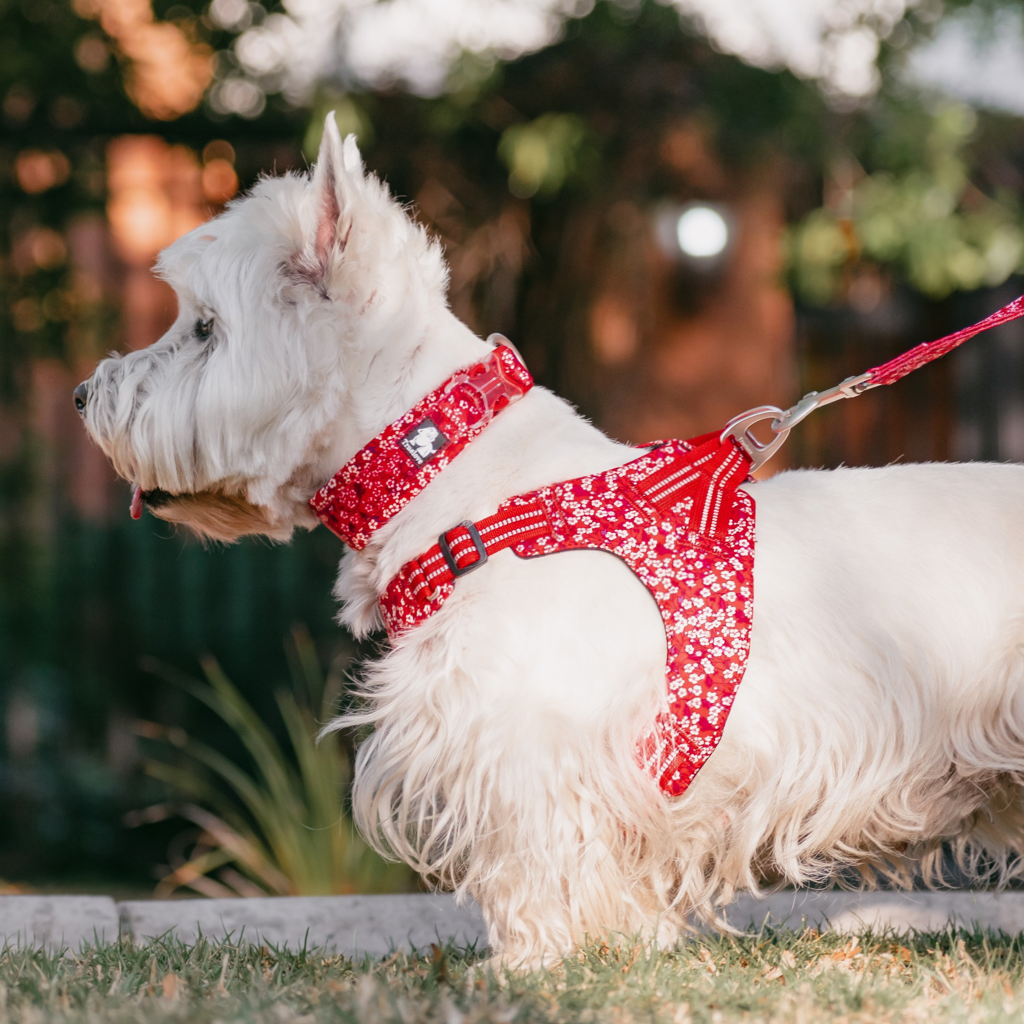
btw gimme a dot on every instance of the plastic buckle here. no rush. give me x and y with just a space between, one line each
478 542
490 386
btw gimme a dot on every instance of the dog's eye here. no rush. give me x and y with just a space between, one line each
203 329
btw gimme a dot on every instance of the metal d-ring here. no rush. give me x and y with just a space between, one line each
739 428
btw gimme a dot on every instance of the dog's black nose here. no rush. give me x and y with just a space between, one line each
81 396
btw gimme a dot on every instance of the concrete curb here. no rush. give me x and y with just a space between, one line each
376 925
56 921
353 925
898 911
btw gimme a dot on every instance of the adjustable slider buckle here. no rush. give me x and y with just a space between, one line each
446 549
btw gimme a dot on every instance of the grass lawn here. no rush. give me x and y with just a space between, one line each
775 976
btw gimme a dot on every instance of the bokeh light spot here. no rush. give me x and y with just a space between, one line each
702 232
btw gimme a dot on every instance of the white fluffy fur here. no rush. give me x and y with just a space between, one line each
883 707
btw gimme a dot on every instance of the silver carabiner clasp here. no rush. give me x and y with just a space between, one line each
849 388
739 429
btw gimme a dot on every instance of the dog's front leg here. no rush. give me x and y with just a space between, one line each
567 871
504 757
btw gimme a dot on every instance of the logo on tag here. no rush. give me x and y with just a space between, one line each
423 442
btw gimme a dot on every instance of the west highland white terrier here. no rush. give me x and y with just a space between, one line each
882 710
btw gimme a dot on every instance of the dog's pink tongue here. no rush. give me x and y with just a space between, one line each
138 498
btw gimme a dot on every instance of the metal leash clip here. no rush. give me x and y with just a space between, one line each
740 427
849 388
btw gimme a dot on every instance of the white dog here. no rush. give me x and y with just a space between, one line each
882 711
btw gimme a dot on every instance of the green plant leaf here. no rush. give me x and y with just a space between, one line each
282 823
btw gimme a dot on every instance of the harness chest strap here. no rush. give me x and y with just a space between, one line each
703 471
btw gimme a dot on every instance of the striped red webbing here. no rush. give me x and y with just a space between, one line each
718 467
497 532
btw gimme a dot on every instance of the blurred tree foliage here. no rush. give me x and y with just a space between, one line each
915 187
920 191
539 173
904 189
64 93
51 162
922 205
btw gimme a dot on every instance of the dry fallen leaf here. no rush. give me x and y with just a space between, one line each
171 986
708 960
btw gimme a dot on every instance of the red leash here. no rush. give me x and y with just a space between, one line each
740 426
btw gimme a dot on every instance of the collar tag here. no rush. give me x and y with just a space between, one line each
392 468
423 442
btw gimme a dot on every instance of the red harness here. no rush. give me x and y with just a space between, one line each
674 515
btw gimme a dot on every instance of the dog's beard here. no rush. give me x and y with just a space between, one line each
168 478
214 515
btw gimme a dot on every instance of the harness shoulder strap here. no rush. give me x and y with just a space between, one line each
706 469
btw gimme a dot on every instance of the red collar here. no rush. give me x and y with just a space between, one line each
400 461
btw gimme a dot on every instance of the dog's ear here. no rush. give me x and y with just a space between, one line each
338 167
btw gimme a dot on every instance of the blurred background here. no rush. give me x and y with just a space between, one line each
677 209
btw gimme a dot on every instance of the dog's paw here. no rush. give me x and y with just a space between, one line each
508 964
